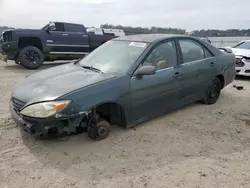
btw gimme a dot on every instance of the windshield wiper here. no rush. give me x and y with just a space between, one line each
76 61
92 68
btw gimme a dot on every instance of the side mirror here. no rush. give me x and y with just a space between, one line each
146 70
50 28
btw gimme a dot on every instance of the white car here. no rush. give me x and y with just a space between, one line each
242 53
106 31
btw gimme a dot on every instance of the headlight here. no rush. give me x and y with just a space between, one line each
44 109
246 60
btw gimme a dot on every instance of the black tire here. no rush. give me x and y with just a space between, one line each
213 92
99 131
31 57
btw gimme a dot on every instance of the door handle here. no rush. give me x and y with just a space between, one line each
176 74
65 34
212 64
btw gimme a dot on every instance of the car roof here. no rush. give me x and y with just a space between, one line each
148 38
67 23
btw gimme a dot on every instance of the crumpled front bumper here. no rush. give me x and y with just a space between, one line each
8 50
34 128
42 128
244 70
3 57
39 128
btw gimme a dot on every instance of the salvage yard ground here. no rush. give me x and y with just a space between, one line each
196 146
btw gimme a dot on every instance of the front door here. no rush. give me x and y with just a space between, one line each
56 39
154 94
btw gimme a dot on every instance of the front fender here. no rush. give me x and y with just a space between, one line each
115 90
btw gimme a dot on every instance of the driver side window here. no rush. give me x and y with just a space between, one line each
163 56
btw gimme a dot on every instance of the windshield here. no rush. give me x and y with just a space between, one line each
243 45
114 56
44 27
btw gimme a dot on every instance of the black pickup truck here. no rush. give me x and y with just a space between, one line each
55 41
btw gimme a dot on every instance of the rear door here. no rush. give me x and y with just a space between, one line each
154 94
198 69
78 39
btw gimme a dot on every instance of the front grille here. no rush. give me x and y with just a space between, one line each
239 62
247 71
17 104
7 36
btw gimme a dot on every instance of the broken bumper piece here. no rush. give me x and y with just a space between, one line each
2 56
42 128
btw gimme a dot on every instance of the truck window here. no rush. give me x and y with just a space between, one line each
73 28
59 27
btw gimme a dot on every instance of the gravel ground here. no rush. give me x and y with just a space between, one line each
196 146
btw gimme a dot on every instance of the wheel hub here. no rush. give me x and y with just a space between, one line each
31 57
102 131
213 91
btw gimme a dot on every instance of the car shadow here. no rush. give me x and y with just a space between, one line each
78 155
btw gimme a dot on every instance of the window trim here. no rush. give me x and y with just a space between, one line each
152 48
197 42
205 49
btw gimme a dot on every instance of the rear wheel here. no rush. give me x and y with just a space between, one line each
31 57
213 92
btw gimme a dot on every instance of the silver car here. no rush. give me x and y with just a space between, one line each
242 53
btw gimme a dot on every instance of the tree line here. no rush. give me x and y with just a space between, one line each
3 28
198 33
221 33
145 30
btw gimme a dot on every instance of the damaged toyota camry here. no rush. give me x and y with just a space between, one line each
126 81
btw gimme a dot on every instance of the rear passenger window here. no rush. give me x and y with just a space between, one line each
73 28
193 51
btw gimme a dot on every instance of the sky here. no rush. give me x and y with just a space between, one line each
185 14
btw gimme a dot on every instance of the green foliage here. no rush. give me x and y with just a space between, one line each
144 30
3 28
221 33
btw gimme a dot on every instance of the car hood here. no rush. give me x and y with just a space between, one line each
241 52
54 82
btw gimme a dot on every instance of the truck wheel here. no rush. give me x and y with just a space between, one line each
213 92
31 57
99 131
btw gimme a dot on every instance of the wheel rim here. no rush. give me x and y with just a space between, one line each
31 57
214 91
102 131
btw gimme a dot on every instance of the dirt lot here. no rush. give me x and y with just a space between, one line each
196 146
